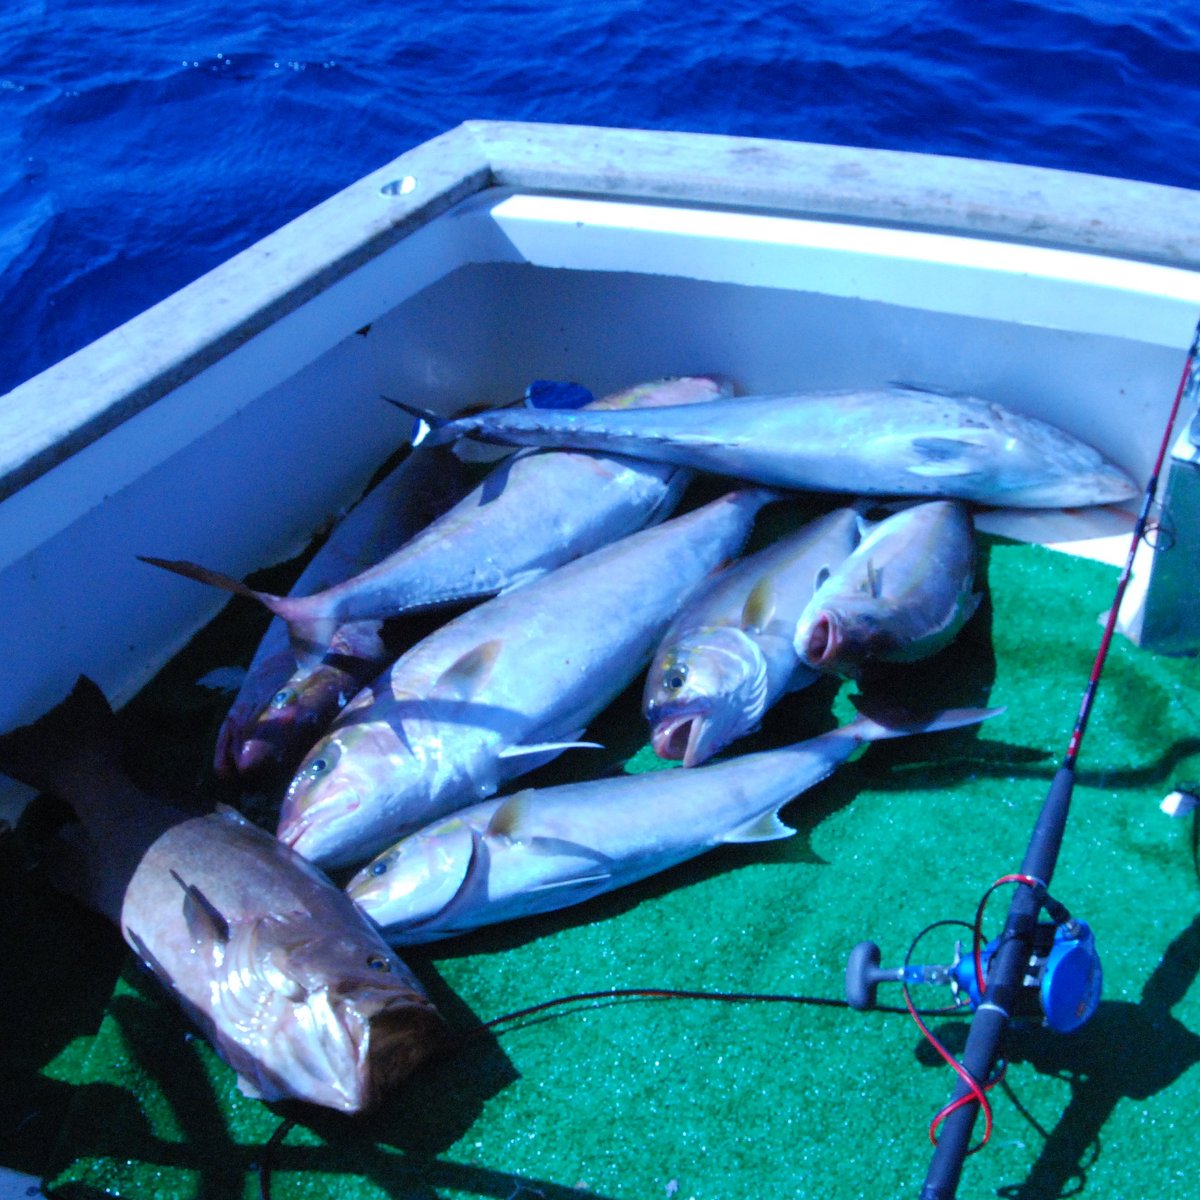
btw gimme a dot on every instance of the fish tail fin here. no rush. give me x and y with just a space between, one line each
877 721
311 625
78 737
431 428
191 570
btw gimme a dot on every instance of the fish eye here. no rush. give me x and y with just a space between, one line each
379 868
377 962
283 698
675 679
322 764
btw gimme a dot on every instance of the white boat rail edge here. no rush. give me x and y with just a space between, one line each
154 438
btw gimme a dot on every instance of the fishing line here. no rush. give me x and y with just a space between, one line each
1009 963
593 1000
1139 533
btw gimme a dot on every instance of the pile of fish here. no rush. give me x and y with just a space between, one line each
582 582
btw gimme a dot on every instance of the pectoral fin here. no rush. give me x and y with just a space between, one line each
760 606
204 920
574 882
945 456
548 748
511 817
764 828
516 821
468 673
941 470
874 580
519 581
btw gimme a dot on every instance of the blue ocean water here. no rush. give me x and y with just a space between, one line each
142 143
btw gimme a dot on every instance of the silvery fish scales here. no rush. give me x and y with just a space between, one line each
729 655
545 849
533 512
889 441
501 688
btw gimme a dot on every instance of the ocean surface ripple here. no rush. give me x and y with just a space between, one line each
143 144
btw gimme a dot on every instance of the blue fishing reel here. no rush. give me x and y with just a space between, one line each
1061 987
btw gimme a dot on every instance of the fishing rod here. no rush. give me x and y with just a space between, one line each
1051 964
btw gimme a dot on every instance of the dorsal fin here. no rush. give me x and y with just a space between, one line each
469 672
552 748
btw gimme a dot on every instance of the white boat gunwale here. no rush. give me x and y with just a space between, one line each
80 399
103 455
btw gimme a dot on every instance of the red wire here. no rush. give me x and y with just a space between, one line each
978 1091
977 945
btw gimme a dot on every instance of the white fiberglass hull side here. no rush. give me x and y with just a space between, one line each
230 422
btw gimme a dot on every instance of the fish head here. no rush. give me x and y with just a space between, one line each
835 635
1007 458
1050 468
292 720
413 882
331 804
704 689
323 1012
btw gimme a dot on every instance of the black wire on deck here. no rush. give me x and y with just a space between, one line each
264 1165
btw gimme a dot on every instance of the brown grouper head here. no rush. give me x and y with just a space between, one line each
703 690
305 1004
354 1021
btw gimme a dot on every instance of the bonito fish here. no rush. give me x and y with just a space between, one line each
874 441
532 513
540 850
502 688
287 979
902 595
728 656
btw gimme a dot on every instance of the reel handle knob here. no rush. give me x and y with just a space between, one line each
864 975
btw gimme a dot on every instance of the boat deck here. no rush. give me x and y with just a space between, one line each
502 253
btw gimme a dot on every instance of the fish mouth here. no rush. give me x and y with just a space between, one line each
321 836
290 832
351 1049
680 738
400 1038
225 752
823 642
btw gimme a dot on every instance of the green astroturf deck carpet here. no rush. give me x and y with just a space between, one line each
653 1099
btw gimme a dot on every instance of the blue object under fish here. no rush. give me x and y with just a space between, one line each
552 393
